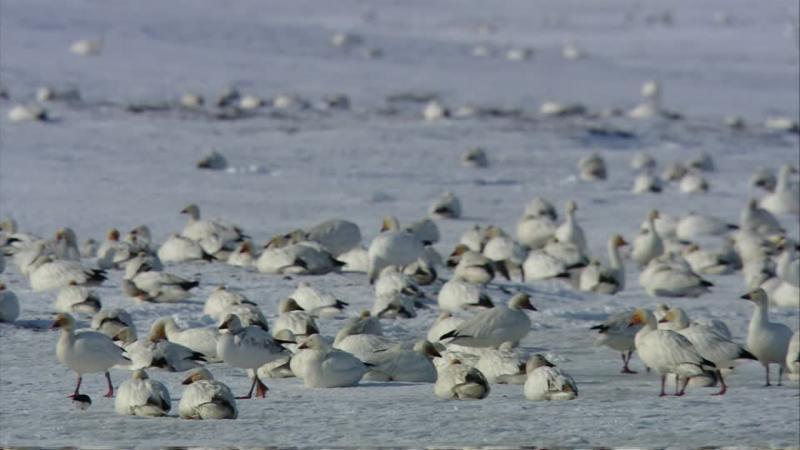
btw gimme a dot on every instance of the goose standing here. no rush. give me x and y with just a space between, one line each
458 381
327 367
605 280
141 396
247 348
616 333
86 352
206 398
768 341
570 231
545 381
392 247
9 305
495 326
786 197
666 351
648 244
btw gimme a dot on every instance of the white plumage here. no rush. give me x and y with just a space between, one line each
326 367
205 398
141 396
545 381
494 326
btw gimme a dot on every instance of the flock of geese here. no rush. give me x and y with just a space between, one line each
474 342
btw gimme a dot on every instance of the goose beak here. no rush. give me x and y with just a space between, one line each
663 320
746 296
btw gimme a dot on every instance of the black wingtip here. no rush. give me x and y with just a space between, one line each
448 335
706 283
744 354
601 328
209 257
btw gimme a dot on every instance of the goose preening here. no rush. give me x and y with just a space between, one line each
77 299
605 279
141 396
617 333
592 167
9 304
327 367
545 381
666 352
494 326
86 351
392 247
785 199
458 381
247 348
205 398
768 341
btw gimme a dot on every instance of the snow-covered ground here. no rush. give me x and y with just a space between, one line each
96 165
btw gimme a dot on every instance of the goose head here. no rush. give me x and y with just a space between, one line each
390 223
64 321
67 235
139 374
192 210
112 235
536 361
676 316
313 342
230 324
521 301
201 373
757 296
642 317
618 241
427 348
289 304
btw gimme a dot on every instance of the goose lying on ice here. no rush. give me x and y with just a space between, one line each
448 206
201 340
335 235
206 398
445 323
155 351
158 287
306 257
458 295
112 321
326 367
494 326
592 167
545 381
694 225
77 299
200 230
460 382
664 277
647 183
693 183
178 249
570 231
50 274
402 364
294 318
392 247
315 302
503 365
141 396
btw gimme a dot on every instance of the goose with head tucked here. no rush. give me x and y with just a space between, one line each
545 381
315 302
327 367
448 206
786 197
458 295
592 167
77 299
247 348
294 318
712 262
535 231
768 341
392 247
503 365
694 225
179 248
694 183
473 267
200 230
282 255
242 255
158 287
86 351
669 277
49 274
605 279
457 381
492 327
335 235
221 300
205 398
112 321
66 245
201 340
141 396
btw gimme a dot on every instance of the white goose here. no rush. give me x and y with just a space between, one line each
763 178
444 323
643 161
759 220
315 302
336 235
472 267
392 247
501 247
647 183
786 197
616 333
458 381
592 167
77 299
648 244
402 364
158 287
205 398
503 365
221 300
86 352
712 262
392 281
113 253
570 231
666 351
394 305
545 381
141 396
326 367
66 245
540 265
50 274
448 206
9 304
768 341
154 351
293 318
694 225
664 277
495 326
458 295
361 345
793 357
112 321
247 348
426 231
200 230
178 249
242 255
534 232
280 256
201 340
693 183
605 280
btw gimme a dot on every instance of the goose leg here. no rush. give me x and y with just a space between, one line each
663 384
626 359
683 387
780 376
766 367
677 384
249 393
724 388
110 392
77 387
261 388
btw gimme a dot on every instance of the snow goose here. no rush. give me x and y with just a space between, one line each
158 287
392 281
9 305
27 113
199 230
473 267
327 367
793 357
140 238
665 277
88 249
112 321
355 260
113 253
141 396
540 265
759 220
448 206
787 267
666 351
394 305
592 167
763 178
674 171
205 398
444 323
178 249
292 317
364 323
712 262
492 327
426 231
694 225
786 198
648 244
392 247
401 364
651 106
66 245
503 365
77 299
247 348
50 274
693 183
458 295
86 351
545 381
711 345
501 248
435 110
242 255
315 302
201 340
539 207
142 262
86 47
281 256
475 158
535 232
154 351
768 341
221 300
567 252
643 161
701 162
605 280
647 183
617 334
455 380
361 345
336 235
570 231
